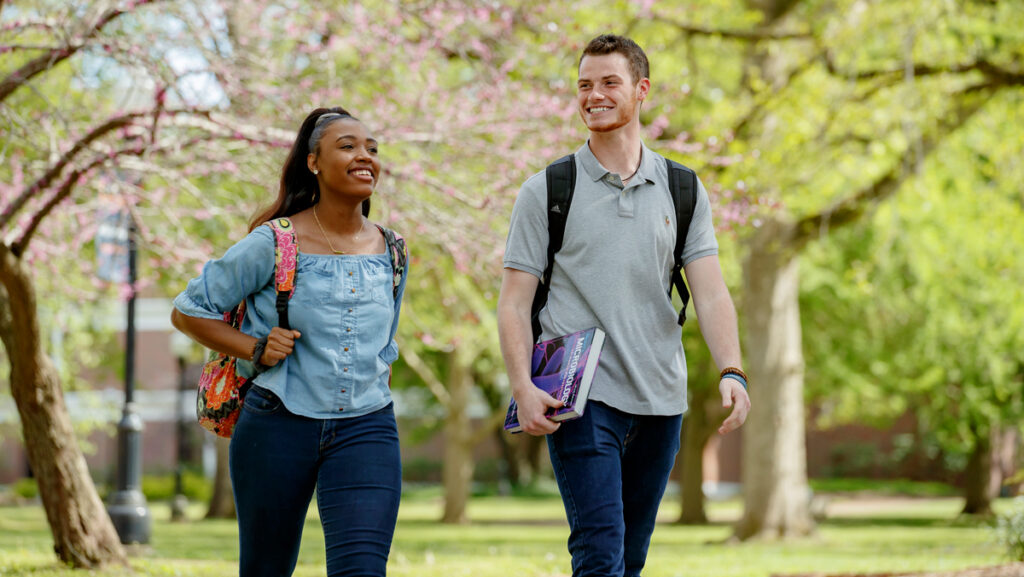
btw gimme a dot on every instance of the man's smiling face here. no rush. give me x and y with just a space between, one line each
606 93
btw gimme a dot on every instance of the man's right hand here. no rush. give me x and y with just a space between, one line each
514 303
532 404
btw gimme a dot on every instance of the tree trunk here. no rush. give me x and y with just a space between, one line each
512 471
1005 442
83 533
978 492
457 472
700 424
690 464
521 455
775 490
530 449
222 501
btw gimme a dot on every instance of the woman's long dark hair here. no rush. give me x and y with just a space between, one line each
299 188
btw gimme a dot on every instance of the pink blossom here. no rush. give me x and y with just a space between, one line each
644 7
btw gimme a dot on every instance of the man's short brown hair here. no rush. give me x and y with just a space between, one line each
639 68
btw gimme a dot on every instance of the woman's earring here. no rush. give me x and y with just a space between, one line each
315 171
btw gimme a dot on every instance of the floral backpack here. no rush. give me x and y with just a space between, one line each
221 388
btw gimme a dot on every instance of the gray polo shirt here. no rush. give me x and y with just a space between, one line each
613 271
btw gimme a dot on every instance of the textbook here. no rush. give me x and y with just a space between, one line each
564 367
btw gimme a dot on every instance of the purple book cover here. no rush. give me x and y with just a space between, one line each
564 367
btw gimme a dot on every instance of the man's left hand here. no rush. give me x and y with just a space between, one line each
735 396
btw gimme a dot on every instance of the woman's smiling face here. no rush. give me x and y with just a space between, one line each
347 158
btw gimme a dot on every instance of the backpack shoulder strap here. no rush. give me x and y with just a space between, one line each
561 183
398 252
682 183
285 254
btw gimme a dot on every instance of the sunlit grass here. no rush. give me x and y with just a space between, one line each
526 536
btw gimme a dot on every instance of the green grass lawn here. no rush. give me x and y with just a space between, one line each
526 537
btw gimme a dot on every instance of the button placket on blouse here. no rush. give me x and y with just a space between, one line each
349 317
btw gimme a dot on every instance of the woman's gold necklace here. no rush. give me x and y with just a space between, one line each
327 238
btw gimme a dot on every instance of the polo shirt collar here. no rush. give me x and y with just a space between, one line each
596 171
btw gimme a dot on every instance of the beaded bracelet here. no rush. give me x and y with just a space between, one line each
734 373
736 377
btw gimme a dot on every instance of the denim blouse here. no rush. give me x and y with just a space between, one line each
343 306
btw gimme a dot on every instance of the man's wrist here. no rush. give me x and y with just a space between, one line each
520 385
734 373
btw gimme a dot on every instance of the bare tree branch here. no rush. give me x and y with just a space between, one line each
13 47
224 125
68 184
763 101
744 35
849 209
433 383
57 55
1002 75
46 24
213 125
62 192
496 419
773 10
67 158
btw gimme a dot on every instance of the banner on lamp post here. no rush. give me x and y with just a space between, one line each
112 245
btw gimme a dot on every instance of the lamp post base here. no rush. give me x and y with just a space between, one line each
130 516
178 505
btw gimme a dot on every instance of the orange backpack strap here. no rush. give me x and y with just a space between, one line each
286 253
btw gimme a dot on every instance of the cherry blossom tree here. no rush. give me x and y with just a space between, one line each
93 104
181 112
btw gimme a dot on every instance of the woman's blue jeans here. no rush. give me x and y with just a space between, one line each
612 468
278 458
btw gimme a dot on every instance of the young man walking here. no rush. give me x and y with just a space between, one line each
613 271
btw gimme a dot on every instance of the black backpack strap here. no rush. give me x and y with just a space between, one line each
398 253
682 183
561 182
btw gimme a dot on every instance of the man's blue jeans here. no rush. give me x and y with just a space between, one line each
612 468
277 458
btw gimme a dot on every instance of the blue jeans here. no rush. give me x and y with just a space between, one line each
278 458
612 468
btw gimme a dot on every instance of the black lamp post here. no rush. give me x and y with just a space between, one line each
127 506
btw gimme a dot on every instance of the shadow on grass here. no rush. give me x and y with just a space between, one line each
910 522
490 522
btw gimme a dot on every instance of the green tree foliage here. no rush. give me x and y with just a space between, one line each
828 108
919 307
